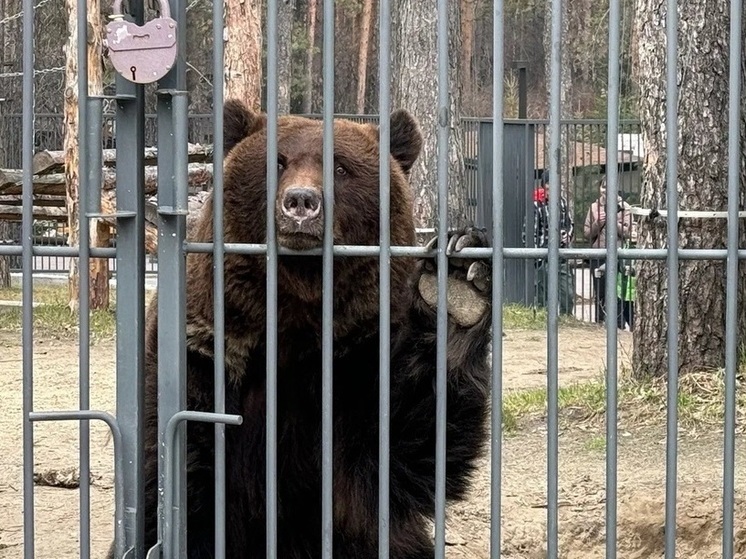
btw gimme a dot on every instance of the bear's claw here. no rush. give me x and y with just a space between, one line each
469 280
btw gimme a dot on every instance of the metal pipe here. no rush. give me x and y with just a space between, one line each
327 356
384 301
218 71
672 205
498 271
731 290
441 382
612 173
272 178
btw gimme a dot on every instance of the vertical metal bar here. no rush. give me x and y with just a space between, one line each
130 317
384 294
731 290
444 119
172 208
672 205
92 201
272 92
218 261
498 267
84 279
27 277
327 287
612 174
555 173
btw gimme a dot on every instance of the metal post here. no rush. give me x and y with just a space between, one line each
522 67
731 291
27 335
498 271
444 120
384 300
218 71
84 278
172 210
672 205
272 257
327 357
612 173
553 281
130 122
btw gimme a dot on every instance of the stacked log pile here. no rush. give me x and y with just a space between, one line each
49 187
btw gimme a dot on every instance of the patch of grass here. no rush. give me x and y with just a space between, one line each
700 402
597 443
53 316
520 317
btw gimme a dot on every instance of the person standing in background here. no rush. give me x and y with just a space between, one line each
595 231
541 240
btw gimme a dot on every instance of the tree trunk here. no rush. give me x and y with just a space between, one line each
415 87
285 54
702 184
362 60
243 52
4 260
308 93
468 9
99 269
565 99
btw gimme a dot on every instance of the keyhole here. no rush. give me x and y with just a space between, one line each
133 69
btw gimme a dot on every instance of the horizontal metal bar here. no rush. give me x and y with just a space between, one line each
71 252
514 253
116 434
699 214
404 251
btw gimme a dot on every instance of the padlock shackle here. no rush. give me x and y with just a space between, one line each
164 5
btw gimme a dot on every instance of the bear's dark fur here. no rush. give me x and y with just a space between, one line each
299 221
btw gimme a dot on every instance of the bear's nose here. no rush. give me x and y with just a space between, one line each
301 203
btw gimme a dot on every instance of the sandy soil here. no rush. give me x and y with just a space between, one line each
582 465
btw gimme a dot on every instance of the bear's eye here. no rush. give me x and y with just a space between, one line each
341 171
280 165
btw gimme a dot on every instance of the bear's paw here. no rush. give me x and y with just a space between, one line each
469 280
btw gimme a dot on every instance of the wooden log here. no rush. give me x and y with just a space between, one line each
15 213
41 200
53 161
199 176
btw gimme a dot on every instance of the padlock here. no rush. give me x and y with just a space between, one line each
142 54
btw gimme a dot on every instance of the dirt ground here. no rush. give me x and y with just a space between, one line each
582 465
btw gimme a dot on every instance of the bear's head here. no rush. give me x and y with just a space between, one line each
299 205
299 214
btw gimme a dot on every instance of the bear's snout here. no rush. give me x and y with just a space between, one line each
300 217
301 203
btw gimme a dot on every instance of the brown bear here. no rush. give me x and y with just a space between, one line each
299 217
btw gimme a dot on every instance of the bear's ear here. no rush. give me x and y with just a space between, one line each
406 139
238 123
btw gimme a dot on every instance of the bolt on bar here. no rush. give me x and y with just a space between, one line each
327 419
441 381
218 264
384 300
672 204
553 281
612 174
130 318
84 277
731 290
498 268
271 382
27 278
